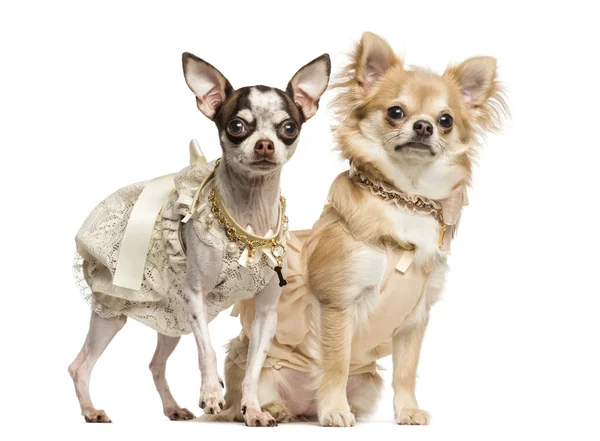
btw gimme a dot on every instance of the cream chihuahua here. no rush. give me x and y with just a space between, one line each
375 262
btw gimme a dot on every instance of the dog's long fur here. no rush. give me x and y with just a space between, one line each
258 129
345 270
373 83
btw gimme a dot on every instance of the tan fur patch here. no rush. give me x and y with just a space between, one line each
381 144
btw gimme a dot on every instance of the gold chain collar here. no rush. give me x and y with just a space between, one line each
418 204
237 234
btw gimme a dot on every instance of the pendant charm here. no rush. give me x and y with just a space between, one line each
231 247
251 254
278 251
441 237
282 281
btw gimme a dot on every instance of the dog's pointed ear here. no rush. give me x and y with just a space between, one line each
309 83
208 84
480 92
475 78
372 57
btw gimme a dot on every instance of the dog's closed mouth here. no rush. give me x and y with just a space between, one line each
414 145
264 163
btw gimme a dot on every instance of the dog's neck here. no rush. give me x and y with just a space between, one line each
434 180
250 200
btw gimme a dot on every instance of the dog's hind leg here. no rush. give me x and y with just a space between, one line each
363 392
234 376
100 334
271 384
164 348
279 411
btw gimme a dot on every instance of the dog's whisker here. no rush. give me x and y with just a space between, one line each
393 138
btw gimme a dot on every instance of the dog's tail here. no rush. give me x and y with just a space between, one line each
234 375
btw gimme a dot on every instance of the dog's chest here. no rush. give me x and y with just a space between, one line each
420 230
234 281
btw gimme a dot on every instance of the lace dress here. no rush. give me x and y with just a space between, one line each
159 302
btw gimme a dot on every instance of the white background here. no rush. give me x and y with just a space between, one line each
93 98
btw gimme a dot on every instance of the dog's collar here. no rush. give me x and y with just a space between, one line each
416 204
273 242
446 211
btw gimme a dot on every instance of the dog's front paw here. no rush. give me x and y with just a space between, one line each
96 416
413 417
179 414
211 399
337 418
258 418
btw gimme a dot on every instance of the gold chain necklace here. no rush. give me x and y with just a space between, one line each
237 234
389 193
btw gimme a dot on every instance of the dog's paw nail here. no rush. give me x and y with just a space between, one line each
212 410
180 414
244 410
337 418
221 405
411 417
222 384
96 416
202 405
258 423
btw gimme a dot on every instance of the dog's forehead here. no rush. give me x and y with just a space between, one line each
267 105
424 92
263 100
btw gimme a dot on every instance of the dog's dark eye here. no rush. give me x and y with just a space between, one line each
445 121
236 127
396 112
289 129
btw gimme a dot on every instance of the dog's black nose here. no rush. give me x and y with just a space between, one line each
264 147
423 128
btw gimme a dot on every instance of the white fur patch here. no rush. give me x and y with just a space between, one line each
264 101
280 116
368 266
420 230
246 115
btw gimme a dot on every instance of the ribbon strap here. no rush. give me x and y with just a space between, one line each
129 272
134 246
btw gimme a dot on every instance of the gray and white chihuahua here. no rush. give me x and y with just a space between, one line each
258 130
